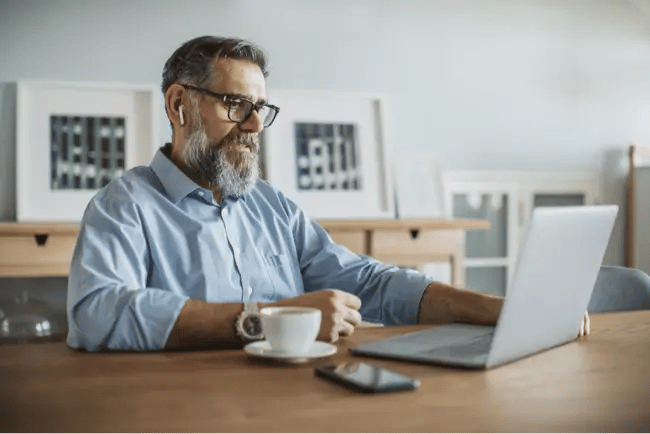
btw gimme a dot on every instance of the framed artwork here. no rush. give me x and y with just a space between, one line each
74 138
326 151
418 186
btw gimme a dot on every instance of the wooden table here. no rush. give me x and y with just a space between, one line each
595 384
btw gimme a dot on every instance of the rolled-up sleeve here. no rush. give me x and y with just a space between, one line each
109 304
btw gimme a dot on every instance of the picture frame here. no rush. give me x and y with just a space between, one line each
74 137
327 152
419 188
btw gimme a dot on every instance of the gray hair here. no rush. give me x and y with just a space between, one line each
192 62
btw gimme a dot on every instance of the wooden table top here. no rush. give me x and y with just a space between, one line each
599 383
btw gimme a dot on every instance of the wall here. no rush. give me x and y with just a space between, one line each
482 84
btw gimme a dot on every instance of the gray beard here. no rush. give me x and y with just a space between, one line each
230 175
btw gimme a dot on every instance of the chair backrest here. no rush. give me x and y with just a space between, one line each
620 288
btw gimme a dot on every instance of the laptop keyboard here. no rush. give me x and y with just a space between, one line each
473 347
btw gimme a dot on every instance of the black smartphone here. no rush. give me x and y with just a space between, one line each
367 378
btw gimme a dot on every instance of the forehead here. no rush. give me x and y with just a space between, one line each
239 77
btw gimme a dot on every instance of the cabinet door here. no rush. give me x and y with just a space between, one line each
489 253
557 189
507 199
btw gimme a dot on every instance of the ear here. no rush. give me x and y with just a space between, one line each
174 105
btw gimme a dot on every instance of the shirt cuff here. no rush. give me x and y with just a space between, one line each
403 297
147 321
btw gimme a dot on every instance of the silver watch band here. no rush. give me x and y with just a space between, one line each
248 325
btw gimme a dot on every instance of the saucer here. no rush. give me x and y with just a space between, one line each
263 349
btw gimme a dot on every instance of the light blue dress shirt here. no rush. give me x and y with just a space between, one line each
154 238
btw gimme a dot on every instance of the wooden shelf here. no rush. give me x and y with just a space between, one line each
45 250
14 228
410 224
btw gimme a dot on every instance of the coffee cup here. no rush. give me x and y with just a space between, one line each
290 330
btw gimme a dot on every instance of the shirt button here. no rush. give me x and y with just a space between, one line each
201 193
250 290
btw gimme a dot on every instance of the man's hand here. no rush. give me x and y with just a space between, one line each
340 311
585 327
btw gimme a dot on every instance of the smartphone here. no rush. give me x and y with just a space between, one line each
367 378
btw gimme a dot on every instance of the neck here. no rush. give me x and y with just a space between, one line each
177 159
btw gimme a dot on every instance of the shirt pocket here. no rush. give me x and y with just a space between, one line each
284 276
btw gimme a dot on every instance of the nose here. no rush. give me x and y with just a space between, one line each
253 124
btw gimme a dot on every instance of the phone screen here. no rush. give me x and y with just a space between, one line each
366 377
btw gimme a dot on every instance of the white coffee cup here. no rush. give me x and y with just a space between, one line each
291 330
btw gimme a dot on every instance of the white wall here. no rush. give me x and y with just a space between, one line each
483 84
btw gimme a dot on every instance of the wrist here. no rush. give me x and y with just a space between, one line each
442 303
435 304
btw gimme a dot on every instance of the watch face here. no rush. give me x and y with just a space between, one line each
252 326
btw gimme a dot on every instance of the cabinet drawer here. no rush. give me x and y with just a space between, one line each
36 255
405 242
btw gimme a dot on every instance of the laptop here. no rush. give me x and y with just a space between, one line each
553 279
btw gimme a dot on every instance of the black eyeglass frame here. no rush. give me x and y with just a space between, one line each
226 98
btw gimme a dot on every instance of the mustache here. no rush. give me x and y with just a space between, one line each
250 140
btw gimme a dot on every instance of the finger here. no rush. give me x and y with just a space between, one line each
328 334
340 327
352 317
331 337
345 329
349 300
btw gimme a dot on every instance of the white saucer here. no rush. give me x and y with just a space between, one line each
263 349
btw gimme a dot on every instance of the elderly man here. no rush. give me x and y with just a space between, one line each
185 251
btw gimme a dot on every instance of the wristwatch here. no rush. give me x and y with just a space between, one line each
249 323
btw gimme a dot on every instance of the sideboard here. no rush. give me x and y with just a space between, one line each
45 250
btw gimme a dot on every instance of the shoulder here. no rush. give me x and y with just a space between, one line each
266 193
135 188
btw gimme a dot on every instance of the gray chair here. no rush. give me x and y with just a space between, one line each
620 288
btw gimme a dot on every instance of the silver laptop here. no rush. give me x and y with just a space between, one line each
553 279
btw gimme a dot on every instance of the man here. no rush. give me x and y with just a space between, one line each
183 252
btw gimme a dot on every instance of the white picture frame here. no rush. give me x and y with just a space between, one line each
418 186
60 128
358 185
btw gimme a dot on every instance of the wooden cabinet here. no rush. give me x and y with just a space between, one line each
506 200
45 250
36 250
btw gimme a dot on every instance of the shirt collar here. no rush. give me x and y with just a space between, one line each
176 183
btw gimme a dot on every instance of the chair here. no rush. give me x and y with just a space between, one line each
620 288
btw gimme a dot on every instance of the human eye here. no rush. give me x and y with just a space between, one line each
235 102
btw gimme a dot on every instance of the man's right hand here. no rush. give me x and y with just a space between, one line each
340 311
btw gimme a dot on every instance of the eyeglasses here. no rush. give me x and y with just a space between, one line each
240 109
